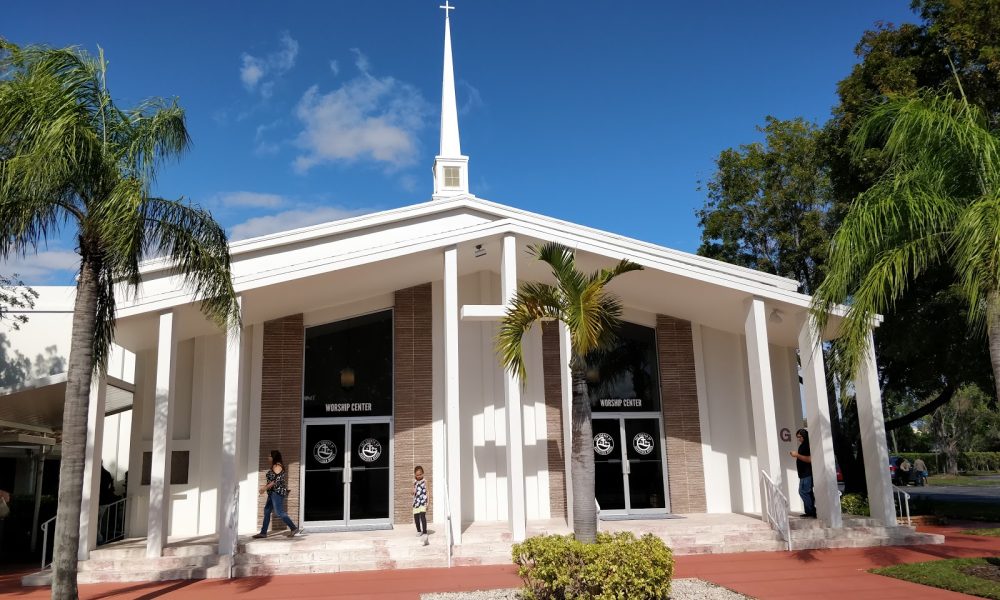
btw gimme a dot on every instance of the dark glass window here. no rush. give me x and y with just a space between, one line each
626 378
179 462
348 368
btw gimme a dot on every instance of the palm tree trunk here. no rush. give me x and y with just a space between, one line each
582 461
74 436
993 333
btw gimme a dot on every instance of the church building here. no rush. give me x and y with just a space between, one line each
368 347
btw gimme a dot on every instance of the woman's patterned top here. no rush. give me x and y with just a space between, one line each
419 493
280 481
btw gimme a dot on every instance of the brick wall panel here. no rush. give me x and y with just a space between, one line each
681 418
412 396
281 406
552 369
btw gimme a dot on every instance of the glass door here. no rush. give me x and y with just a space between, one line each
369 473
609 473
323 485
348 475
644 465
628 465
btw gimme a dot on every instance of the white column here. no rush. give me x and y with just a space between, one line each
512 397
566 387
90 501
163 430
451 392
228 519
873 443
824 466
762 394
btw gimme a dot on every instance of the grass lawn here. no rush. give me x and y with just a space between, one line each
994 532
962 480
975 576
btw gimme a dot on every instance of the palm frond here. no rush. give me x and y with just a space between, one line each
196 244
562 260
532 303
976 257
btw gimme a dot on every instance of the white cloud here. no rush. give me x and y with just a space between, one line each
367 117
335 67
259 73
251 199
251 71
291 219
42 267
361 61
473 99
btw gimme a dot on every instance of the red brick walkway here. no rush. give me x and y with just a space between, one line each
814 574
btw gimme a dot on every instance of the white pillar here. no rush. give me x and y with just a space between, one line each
824 466
159 477
228 519
762 394
566 387
451 392
512 397
873 443
90 501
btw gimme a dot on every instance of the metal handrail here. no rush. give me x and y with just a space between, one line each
111 522
45 542
776 508
902 500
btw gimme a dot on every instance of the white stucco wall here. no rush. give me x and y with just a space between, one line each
484 414
788 414
731 465
730 459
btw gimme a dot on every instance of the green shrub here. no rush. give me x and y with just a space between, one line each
854 504
558 567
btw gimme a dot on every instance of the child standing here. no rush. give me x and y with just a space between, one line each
420 503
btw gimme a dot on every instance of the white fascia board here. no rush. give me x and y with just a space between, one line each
612 248
709 263
483 312
273 241
276 240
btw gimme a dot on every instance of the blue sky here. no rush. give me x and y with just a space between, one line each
604 113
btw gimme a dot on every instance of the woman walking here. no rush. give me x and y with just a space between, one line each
276 489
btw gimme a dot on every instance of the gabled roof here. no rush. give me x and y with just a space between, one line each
496 219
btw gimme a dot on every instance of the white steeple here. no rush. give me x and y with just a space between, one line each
451 168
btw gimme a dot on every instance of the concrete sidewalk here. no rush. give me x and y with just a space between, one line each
815 574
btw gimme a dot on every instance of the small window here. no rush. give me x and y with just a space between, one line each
179 460
452 177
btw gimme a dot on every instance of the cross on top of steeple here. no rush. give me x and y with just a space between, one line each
447 7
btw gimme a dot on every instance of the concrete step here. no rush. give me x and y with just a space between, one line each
203 572
130 551
147 564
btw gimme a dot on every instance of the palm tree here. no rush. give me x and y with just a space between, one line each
592 316
938 204
68 155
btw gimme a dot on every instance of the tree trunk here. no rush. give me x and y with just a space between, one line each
993 333
582 461
74 436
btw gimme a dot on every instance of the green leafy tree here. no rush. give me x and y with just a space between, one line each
925 328
967 424
70 157
937 204
769 204
592 315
